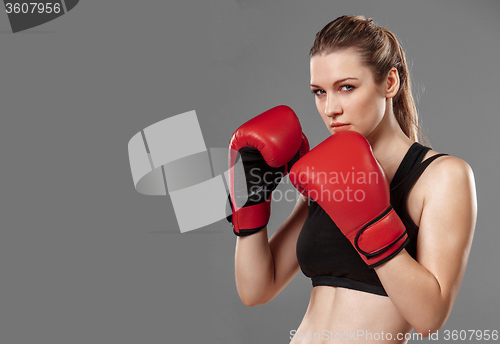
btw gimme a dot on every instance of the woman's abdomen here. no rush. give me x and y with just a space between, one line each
339 315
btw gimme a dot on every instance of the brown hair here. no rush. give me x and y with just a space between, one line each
380 50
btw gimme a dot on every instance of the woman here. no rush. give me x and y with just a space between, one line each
360 82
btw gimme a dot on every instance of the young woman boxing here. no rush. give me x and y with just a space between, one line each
385 254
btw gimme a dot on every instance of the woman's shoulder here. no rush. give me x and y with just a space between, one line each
447 164
446 172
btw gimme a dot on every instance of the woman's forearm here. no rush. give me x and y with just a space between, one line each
254 268
416 293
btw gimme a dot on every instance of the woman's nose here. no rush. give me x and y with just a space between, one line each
333 107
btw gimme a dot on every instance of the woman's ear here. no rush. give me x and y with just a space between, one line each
392 83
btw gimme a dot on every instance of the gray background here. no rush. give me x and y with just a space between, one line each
87 259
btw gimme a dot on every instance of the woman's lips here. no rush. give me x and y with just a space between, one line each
340 127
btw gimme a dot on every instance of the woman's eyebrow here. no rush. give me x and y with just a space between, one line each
338 81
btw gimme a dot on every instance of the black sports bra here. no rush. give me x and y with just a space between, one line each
327 256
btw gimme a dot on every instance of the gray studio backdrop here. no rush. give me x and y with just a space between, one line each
85 258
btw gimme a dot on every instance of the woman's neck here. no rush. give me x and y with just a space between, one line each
389 143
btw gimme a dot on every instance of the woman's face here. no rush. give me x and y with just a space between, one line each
346 94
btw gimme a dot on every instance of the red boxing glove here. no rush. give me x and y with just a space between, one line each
269 145
344 178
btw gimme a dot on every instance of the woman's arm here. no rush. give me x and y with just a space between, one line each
424 290
263 268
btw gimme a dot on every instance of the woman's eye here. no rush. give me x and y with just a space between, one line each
347 88
317 92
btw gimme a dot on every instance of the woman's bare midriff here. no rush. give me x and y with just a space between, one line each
339 315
